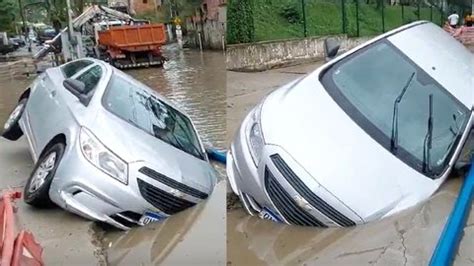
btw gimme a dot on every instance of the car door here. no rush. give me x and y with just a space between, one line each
46 106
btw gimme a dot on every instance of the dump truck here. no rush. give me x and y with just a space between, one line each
130 46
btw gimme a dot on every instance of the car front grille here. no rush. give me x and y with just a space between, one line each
308 195
293 213
173 183
161 199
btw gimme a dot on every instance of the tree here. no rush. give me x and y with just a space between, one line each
8 11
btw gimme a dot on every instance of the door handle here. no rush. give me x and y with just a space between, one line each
53 93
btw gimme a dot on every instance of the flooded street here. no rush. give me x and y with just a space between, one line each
407 238
196 83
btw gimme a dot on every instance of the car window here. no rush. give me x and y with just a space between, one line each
138 107
367 84
90 78
74 67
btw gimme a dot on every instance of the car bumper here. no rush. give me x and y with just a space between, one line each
251 184
83 189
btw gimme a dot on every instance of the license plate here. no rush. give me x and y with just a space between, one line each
151 217
268 215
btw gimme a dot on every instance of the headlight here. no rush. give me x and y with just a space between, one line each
101 157
255 137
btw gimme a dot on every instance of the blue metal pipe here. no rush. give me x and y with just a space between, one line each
453 230
217 155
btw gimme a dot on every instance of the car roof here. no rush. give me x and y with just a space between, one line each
136 82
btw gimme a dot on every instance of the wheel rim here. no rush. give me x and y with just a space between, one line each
13 117
44 169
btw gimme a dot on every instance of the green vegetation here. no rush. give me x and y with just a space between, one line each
8 14
283 19
240 17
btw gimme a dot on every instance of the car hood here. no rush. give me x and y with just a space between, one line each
306 122
136 146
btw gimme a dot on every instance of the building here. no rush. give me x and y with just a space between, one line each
137 6
208 25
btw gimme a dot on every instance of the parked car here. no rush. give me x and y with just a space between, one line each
107 147
370 133
18 41
46 35
13 43
5 49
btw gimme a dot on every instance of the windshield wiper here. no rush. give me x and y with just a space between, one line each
394 137
428 139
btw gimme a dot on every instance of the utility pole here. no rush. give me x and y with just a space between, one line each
305 31
72 41
22 14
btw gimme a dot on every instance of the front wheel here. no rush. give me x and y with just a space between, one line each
11 128
37 187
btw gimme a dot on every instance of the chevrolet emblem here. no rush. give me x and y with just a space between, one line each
303 203
176 193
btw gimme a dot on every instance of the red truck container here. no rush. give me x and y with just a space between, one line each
133 45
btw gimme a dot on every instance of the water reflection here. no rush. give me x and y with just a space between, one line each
150 244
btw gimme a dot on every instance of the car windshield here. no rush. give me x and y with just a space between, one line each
367 84
127 100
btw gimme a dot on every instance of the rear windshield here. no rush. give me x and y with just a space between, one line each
143 110
367 84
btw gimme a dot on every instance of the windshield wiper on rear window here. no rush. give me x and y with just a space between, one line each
394 137
428 139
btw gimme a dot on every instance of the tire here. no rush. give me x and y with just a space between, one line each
11 128
36 191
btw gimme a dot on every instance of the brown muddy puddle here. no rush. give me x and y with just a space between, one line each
407 238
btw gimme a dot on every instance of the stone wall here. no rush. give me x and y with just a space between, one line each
262 56
212 31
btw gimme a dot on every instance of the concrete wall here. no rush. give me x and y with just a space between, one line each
266 55
213 32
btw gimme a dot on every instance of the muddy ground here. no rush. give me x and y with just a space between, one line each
195 82
407 238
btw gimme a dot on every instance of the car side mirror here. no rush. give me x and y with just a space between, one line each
78 89
331 47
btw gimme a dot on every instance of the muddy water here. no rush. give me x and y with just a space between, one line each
196 83
11 90
407 238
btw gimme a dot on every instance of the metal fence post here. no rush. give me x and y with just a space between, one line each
431 13
441 16
357 17
403 13
343 12
383 16
419 11
303 4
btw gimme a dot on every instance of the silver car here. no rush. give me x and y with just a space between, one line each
107 147
369 134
